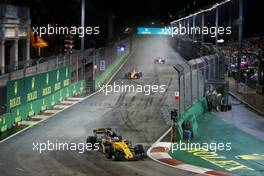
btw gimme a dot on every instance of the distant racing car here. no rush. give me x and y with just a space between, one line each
115 147
133 74
159 60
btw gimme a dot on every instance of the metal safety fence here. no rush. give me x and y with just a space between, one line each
199 76
233 27
44 64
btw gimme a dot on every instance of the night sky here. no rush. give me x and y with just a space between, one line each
126 13
67 12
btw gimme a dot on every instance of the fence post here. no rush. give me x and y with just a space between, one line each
64 60
191 84
197 74
57 61
180 71
202 40
214 68
193 36
77 67
183 77
240 35
216 24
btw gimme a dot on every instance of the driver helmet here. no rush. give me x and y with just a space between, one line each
116 139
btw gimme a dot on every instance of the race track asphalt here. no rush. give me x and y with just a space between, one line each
136 116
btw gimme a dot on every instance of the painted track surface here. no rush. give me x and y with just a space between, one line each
134 115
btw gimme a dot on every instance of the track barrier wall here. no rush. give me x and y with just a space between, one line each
110 70
191 115
31 95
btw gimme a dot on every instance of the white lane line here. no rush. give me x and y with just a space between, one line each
155 143
192 168
161 155
21 131
161 137
20 169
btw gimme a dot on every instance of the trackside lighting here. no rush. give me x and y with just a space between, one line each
220 41
201 11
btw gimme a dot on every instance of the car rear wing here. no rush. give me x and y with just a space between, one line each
102 130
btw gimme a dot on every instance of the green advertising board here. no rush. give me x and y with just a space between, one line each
65 76
31 95
26 90
56 78
15 93
33 108
46 84
18 114
3 123
60 78
32 84
42 103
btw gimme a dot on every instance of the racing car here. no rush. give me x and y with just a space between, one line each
159 60
115 147
133 74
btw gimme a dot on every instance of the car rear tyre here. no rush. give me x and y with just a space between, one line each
109 152
140 151
91 139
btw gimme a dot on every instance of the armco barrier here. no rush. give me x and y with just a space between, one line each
191 115
102 78
34 107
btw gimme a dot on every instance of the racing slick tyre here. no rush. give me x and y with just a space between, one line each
118 157
128 75
92 140
137 76
109 152
140 152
